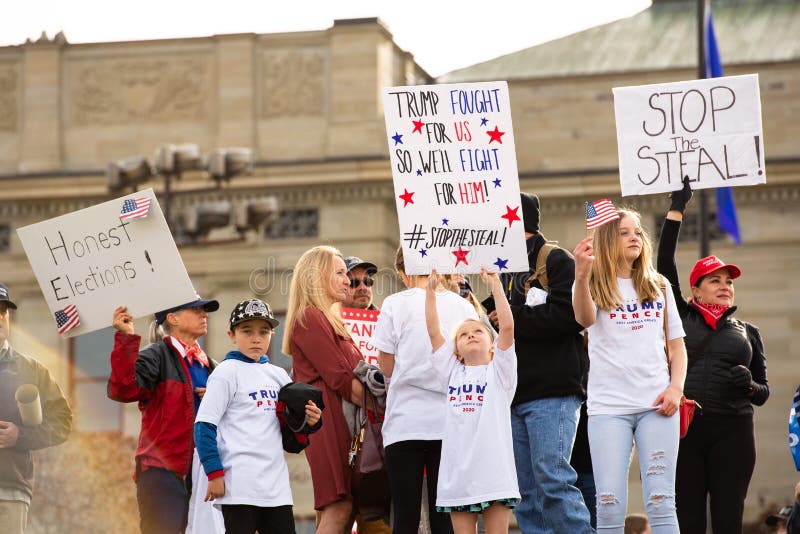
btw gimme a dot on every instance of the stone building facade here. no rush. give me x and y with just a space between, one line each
308 104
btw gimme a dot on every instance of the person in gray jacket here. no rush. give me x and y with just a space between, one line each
16 439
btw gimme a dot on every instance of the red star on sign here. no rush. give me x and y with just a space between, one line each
461 255
495 135
511 215
408 198
418 127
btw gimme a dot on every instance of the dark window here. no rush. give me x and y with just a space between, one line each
5 237
95 412
294 223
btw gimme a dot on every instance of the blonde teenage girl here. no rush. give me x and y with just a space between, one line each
634 392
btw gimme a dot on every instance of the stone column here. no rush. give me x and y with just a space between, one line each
236 89
40 146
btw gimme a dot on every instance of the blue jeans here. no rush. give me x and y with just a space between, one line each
585 483
163 502
611 440
544 431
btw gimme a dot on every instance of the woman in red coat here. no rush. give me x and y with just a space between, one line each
324 355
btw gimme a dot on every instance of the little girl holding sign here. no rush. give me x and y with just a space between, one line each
477 473
634 388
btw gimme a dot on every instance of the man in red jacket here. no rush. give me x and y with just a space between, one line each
158 377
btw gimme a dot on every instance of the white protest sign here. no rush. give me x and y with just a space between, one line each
709 130
451 149
360 324
95 261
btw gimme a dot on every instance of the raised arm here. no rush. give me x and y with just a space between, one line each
668 241
432 313
505 320
582 303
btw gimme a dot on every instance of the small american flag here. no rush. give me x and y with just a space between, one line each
600 212
67 319
135 208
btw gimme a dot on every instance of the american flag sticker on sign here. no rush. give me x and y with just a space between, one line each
67 318
135 208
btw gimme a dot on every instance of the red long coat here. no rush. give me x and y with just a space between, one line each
326 360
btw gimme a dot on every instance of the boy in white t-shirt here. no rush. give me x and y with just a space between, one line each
237 431
477 472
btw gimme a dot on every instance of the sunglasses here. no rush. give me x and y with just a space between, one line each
355 282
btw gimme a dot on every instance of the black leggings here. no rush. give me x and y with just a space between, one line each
716 458
246 519
406 461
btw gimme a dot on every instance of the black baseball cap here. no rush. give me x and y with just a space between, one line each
250 309
206 304
5 298
353 261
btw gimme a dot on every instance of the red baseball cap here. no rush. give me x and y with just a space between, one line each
709 264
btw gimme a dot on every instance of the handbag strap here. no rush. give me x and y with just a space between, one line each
666 323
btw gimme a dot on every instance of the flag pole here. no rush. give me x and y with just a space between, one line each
702 212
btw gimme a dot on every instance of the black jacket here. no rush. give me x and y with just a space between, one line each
734 342
16 463
551 358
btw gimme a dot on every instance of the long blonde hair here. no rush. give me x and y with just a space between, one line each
607 257
310 287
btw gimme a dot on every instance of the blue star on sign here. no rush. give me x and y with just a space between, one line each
445 221
501 264
496 182
483 121
423 252
419 172
398 139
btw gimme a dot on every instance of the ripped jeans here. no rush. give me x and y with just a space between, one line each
611 439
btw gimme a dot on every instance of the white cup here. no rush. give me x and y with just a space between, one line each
30 408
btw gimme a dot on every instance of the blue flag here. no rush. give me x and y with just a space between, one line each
726 209
794 429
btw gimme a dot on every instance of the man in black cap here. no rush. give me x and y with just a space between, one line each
551 365
360 273
17 437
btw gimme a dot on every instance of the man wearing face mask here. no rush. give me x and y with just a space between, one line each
360 273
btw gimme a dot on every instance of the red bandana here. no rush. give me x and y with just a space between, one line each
193 353
710 312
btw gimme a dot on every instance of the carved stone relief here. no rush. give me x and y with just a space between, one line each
293 83
9 100
109 92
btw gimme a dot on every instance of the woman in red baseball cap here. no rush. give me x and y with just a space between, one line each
727 375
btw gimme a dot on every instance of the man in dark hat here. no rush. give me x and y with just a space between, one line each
167 378
360 273
20 436
552 364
